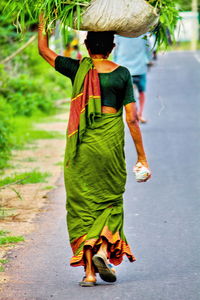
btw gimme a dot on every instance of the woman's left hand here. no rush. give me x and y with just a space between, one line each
145 164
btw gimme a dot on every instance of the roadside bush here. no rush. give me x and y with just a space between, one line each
28 89
26 96
6 130
29 84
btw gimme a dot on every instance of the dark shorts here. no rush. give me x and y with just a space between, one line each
140 82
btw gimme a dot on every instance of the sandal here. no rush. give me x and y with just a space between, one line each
111 266
106 271
84 283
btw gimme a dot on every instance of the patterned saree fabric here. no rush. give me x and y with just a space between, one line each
95 176
85 105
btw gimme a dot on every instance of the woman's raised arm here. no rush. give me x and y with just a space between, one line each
43 45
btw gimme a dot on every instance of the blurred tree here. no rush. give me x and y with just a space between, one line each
186 5
10 39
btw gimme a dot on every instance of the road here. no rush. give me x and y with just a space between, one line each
162 216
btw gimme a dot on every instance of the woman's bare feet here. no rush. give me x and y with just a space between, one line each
88 281
90 275
90 278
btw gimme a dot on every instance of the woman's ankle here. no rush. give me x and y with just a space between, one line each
103 248
90 275
102 252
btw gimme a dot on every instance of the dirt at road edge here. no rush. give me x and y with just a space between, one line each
23 203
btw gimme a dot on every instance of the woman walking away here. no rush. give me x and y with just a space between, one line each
95 171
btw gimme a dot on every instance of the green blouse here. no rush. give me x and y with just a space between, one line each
116 86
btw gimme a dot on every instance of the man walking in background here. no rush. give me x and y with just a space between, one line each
134 53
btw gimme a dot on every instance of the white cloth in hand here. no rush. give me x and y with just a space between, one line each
141 172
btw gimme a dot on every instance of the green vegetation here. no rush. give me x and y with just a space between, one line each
3 232
43 134
6 130
69 11
7 212
5 240
27 177
180 46
29 88
49 187
59 163
65 11
18 117
169 16
29 159
26 133
186 5
53 119
2 268
11 239
29 84
3 261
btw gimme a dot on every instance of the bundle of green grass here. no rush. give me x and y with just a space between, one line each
135 17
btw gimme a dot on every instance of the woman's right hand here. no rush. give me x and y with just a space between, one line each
43 45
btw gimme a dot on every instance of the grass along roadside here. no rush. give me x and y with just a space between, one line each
11 240
7 240
26 131
13 181
179 46
2 263
21 131
33 172
27 177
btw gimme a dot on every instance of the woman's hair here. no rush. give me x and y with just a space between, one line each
101 42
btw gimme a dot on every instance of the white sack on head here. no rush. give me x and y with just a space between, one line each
130 18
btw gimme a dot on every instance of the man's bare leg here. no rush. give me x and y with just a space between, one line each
142 99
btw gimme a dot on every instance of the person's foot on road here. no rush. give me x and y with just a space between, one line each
88 280
142 120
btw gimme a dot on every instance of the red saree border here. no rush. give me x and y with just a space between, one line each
117 248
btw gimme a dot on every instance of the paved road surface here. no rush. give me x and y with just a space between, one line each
162 220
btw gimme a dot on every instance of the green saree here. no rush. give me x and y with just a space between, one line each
95 181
